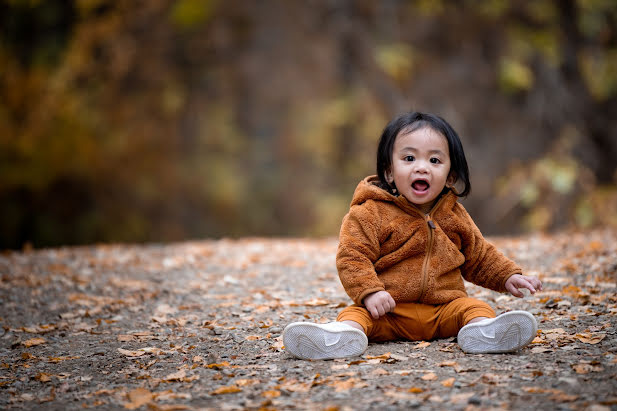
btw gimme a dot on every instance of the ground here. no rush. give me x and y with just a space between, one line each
198 325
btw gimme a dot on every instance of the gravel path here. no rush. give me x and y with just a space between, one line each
197 325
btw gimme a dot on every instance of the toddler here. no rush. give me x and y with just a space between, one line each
405 247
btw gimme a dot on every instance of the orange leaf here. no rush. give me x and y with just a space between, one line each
271 394
416 390
448 382
590 338
218 366
43 377
423 344
226 390
431 376
34 341
378 357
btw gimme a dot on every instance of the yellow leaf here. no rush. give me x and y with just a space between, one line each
226 390
137 398
33 341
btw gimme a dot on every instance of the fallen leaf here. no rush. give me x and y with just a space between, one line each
43 377
590 338
431 376
33 341
422 344
137 398
271 394
452 364
348 384
218 366
587 367
449 382
243 382
230 389
378 357
131 353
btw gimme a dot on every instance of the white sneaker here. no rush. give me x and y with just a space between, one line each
310 341
509 332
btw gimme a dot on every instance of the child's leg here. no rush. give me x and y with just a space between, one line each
391 326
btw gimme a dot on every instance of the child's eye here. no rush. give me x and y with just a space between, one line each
435 160
409 158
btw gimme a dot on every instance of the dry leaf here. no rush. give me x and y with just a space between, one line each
246 381
131 353
137 398
422 344
378 357
350 383
33 341
449 382
590 338
271 394
452 364
43 377
431 376
587 367
415 390
226 390
218 366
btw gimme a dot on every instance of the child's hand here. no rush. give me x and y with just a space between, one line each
379 303
522 281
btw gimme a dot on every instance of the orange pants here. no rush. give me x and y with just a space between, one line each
415 322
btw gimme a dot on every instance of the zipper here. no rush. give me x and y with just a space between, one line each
431 237
429 250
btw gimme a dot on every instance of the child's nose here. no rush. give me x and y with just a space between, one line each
421 167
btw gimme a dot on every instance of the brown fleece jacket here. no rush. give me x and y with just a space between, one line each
386 243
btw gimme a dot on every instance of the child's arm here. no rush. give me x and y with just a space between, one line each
523 281
357 252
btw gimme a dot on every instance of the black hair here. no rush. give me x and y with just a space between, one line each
409 122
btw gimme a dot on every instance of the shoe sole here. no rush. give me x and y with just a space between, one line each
512 331
309 342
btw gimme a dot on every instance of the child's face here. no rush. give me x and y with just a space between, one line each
420 166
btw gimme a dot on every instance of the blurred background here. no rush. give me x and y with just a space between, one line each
167 120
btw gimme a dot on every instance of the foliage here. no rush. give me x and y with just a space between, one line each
160 121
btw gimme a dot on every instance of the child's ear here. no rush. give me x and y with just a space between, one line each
451 180
389 177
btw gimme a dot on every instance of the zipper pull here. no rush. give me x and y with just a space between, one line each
430 222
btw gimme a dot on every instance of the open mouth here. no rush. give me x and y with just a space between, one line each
420 186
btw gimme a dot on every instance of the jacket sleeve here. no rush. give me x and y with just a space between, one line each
484 264
358 250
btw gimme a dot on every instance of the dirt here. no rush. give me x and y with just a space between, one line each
197 325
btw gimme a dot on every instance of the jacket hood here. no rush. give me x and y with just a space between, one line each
368 189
